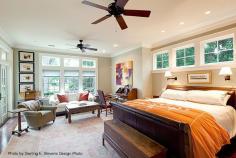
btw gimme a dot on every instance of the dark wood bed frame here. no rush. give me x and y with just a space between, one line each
172 134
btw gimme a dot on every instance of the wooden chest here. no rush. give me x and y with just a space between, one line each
130 143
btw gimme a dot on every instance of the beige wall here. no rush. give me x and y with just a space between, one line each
147 72
104 72
142 70
136 57
159 82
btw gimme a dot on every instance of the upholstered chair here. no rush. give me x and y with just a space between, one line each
104 104
37 116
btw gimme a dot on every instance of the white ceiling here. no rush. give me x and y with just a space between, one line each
35 24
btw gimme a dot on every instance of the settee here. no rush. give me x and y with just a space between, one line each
72 97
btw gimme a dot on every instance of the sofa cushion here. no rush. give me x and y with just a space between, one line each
72 96
45 112
62 98
84 96
62 105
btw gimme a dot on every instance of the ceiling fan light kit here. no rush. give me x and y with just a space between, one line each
116 9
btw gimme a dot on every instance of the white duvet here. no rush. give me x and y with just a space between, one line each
224 115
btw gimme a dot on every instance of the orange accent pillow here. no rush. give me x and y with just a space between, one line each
62 98
83 96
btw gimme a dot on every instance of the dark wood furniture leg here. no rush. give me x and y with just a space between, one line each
98 112
19 130
69 116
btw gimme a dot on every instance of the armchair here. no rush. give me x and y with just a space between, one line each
37 115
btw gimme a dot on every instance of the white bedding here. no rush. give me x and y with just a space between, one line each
224 115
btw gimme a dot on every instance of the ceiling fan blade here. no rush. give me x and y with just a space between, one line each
93 49
101 19
140 13
121 22
83 50
121 3
95 5
86 45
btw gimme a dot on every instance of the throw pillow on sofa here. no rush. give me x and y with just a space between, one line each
62 98
83 96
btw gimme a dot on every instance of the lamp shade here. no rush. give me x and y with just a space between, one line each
224 71
168 74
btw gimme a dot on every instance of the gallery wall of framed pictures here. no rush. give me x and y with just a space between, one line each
26 71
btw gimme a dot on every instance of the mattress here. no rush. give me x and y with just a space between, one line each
224 115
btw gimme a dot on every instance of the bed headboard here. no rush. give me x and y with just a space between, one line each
231 91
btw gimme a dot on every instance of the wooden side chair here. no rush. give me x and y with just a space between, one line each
103 101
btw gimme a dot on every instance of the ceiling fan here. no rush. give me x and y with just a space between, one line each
84 47
116 9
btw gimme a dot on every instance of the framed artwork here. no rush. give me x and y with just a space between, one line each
200 77
26 87
26 67
26 56
26 78
124 73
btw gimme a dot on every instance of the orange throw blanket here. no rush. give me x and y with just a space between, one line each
207 136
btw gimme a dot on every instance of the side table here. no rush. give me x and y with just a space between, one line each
18 112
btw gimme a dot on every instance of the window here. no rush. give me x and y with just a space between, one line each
50 61
185 57
4 56
71 62
51 82
69 74
219 51
86 63
71 81
161 60
89 81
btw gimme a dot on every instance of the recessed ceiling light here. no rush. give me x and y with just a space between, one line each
181 23
115 45
163 31
208 12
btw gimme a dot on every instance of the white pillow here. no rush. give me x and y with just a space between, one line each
218 91
208 97
174 94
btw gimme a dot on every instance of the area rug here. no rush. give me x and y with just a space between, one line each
80 139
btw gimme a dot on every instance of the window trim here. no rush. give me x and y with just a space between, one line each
202 50
155 62
174 56
61 68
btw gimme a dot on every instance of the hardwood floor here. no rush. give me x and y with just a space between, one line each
5 132
229 151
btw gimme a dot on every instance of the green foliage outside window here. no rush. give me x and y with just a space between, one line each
162 60
88 63
219 51
51 85
185 57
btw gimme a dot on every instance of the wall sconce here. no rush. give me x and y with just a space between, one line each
226 71
168 75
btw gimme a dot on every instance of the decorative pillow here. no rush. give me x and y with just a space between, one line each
208 97
62 98
84 96
174 94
